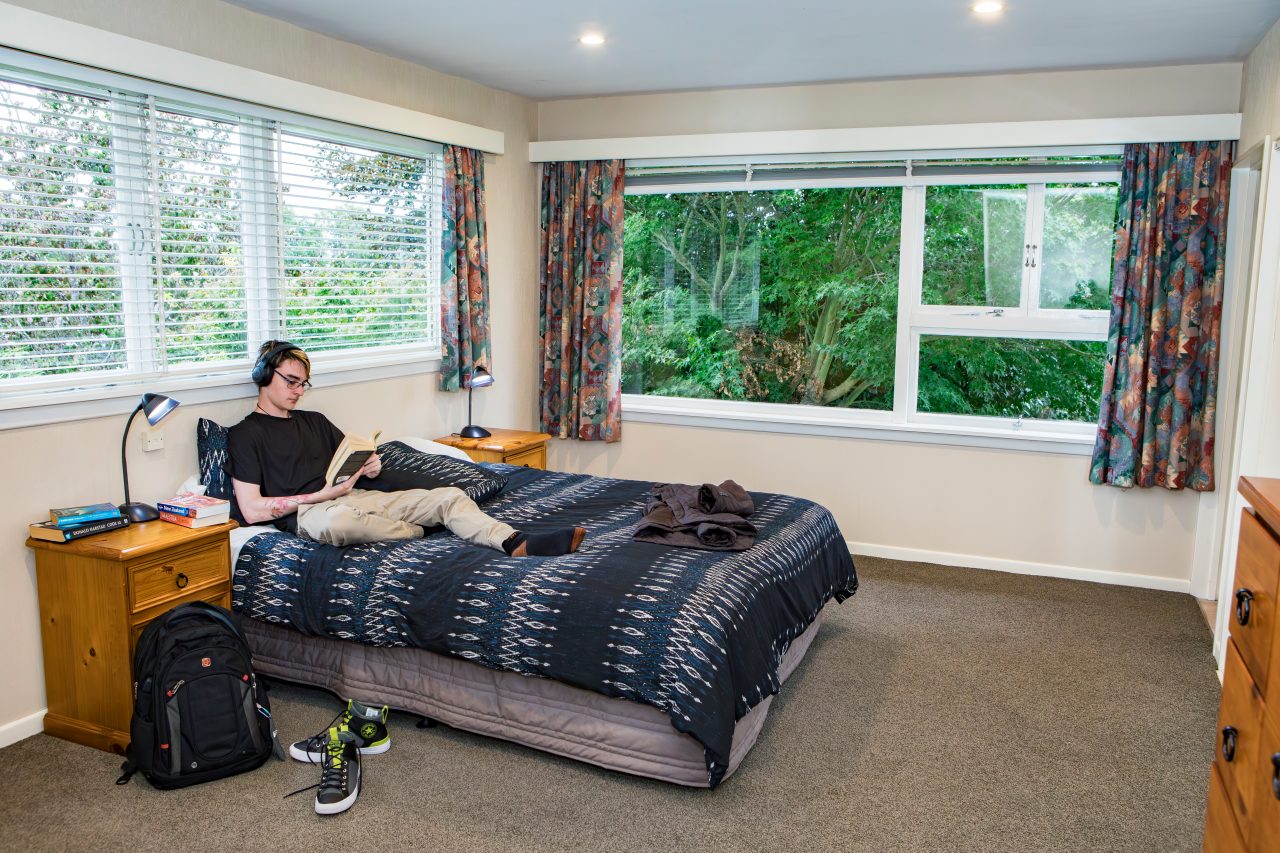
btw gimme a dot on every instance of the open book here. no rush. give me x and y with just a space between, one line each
349 456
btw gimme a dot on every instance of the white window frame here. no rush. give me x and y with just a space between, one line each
42 400
915 319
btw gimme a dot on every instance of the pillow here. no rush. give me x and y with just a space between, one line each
211 456
424 445
406 468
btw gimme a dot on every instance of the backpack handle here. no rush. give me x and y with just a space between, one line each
203 609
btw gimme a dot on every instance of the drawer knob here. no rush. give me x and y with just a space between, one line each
1229 743
1275 774
182 580
1244 602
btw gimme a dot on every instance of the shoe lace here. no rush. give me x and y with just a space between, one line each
333 770
318 740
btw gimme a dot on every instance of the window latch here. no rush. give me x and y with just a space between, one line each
996 312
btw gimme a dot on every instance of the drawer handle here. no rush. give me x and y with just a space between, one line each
1229 743
1275 774
182 580
1244 600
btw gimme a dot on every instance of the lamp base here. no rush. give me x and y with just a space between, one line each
473 431
137 512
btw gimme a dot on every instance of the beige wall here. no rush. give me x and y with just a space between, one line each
1171 90
984 505
76 462
994 504
1260 91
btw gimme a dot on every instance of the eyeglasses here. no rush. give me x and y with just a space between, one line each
293 383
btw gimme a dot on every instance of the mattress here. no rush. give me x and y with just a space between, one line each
614 733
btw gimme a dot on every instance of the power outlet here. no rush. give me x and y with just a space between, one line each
152 439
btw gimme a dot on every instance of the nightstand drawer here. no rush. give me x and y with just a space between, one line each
535 457
175 575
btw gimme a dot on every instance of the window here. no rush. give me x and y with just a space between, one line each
967 293
787 296
1012 317
146 235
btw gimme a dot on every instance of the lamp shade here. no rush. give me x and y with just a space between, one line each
479 378
157 406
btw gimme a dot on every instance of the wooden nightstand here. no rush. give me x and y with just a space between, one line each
96 596
512 446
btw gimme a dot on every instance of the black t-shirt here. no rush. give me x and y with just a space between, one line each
283 456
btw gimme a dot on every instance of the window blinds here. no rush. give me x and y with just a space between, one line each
139 236
62 283
666 175
361 244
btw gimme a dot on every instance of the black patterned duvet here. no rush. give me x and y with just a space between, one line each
697 634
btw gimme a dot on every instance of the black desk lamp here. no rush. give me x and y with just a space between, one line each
155 406
479 378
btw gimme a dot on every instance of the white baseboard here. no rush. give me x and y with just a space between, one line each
22 728
1019 567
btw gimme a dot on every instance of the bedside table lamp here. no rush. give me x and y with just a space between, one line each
480 378
155 407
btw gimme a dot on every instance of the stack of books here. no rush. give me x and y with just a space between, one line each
194 510
75 522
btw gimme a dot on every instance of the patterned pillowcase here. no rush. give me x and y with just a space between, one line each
211 456
406 468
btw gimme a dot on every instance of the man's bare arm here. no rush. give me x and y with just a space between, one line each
257 509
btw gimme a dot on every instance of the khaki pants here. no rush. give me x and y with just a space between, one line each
365 516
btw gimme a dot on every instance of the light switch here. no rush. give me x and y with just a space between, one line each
152 439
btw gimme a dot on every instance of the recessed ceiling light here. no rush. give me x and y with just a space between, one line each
988 7
592 39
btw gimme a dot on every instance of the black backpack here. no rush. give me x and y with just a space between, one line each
199 712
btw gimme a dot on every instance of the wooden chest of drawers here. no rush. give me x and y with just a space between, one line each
1244 786
96 596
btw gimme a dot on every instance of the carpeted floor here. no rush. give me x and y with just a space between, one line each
939 709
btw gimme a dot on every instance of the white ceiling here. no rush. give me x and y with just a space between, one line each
531 48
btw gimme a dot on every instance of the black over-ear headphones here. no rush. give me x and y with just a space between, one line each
265 366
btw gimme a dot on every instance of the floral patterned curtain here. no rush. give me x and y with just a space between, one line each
464 268
580 299
1159 394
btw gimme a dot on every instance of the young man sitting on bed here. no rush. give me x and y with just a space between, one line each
277 457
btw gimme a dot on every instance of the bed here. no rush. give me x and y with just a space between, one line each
638 657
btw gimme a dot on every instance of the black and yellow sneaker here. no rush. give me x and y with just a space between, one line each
339 773
368 725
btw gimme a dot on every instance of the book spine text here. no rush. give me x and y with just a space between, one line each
90 529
